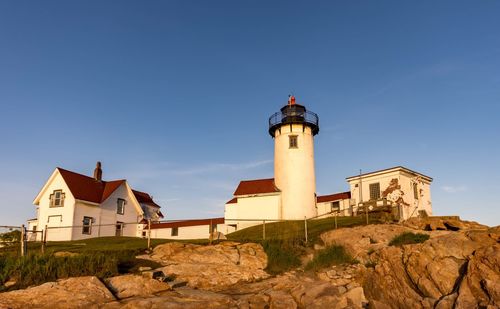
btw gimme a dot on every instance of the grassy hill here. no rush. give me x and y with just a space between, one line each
295 230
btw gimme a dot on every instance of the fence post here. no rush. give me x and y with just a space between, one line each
22 240
149 234
305 227
264 229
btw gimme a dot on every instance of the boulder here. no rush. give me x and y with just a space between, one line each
79 292
213 267
134 285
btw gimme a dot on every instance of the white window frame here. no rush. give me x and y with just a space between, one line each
87 228
57 195
120 205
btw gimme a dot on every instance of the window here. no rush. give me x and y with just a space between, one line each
120 206
175 231
415 191
87 225
335 206
212 228
54 219
119 229
57 199
374 191
293 143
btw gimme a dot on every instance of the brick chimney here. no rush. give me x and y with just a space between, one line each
98 171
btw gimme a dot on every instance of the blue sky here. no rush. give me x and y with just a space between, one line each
174 96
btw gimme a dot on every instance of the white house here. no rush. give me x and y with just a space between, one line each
408 189
71 206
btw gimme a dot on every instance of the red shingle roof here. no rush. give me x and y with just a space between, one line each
143 197
333 197
248 187
234 200
195 222
86 188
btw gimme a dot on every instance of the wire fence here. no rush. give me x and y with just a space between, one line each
19 239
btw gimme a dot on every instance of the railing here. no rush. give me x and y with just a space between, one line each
294 116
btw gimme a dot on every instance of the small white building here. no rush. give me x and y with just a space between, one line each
71 206
409 190
188 229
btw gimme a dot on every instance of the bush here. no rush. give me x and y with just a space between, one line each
10 237
408 238
282 255
333 255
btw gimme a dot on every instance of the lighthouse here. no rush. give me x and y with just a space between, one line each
293 129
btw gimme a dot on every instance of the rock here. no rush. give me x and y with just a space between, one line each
154 274
144 268
280 299
181 299
423 275
356 297
79 292
10 283
357 242
177 284
134 285
213 267
450 223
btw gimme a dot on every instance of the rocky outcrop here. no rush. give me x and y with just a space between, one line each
456 268
443 223
212 267
80 292
452 269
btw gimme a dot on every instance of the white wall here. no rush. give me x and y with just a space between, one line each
106 216
186 232
56 216
410 205
294 172
326 207
261 207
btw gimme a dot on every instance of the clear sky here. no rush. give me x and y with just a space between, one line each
175 96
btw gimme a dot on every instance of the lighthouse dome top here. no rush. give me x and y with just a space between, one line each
293 113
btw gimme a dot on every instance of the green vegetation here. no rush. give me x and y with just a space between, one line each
282 255
37 268
333 255
10 237
294 230
408 238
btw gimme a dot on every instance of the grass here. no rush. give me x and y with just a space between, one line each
295 230
282 255
333 255
38 268
408 238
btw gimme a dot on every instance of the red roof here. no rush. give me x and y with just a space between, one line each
248 187
234 200
86 188
143 197
333 197
182 223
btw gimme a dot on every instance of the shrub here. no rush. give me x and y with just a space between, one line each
333 255
282 255
408 238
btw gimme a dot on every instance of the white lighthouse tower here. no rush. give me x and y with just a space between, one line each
293 129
